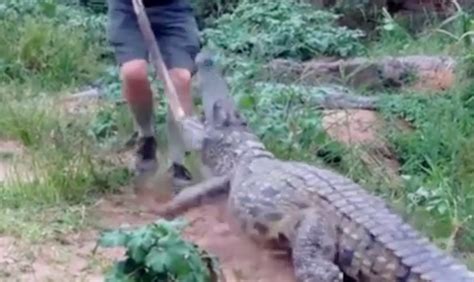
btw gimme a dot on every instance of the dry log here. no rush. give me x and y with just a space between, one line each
418 70
332 98
92 93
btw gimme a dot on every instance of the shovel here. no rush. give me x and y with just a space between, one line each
156 187
163 181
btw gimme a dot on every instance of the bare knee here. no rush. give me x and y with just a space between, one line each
134 72
135 85
181 78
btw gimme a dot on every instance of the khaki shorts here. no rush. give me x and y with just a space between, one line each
172 22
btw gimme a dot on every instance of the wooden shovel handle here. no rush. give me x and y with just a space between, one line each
157 60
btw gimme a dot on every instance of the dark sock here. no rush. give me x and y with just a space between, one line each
148 148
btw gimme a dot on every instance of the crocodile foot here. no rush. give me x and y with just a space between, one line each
314 249
319 270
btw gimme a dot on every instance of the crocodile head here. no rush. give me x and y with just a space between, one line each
227 141
225 137
204 59
219 140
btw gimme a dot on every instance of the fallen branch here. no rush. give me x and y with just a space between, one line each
365 72
333 97
93 93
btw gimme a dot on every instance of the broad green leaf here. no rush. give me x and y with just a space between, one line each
120 272
158 260
113 238
137 252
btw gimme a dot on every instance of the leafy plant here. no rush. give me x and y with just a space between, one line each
282 28
283 117
98 6
156 252
208 11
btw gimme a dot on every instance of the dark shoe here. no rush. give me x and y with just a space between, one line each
181 175
132 141
146 160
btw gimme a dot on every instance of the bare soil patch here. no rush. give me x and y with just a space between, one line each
360 129
71 258
212 229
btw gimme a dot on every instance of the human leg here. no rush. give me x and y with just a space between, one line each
131 54
177 34
182 80
176 30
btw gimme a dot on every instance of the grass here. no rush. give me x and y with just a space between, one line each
63 169
34 224
52 53
431 162
48 50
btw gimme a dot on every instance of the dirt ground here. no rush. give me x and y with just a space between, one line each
213 230
71 258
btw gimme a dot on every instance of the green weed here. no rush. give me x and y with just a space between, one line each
275 29
61 156
37 47
434 164
49 48
157 252
34 224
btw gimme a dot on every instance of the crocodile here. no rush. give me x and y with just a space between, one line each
331 226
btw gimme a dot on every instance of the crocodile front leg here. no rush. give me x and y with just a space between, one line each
194 195
314 250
